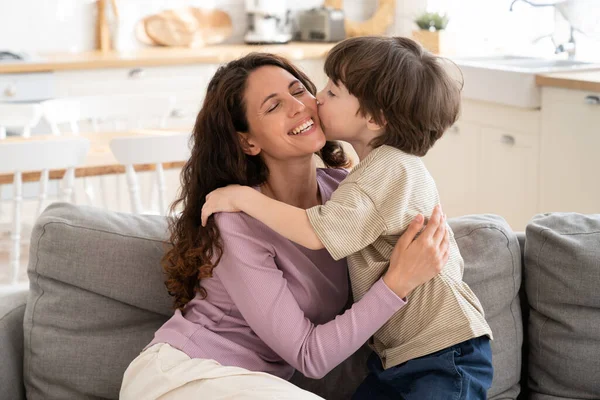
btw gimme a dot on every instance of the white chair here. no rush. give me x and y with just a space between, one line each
131 111
20 116
19 157
155 150
106 113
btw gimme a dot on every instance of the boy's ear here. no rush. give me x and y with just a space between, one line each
250 147
373 125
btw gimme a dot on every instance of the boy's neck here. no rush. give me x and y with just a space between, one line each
362 145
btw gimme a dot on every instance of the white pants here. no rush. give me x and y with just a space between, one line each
163 372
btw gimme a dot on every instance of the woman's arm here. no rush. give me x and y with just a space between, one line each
259 290
289 221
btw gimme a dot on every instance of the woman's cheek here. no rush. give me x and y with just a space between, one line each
322 114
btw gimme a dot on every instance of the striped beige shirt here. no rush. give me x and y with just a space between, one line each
363 220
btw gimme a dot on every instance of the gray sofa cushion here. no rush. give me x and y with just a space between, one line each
97 296
12 308
493 270
492 258
562 279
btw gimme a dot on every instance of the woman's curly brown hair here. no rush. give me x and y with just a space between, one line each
217 160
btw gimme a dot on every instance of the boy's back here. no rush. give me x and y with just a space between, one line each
385 191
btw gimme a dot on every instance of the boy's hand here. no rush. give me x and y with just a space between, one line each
221 200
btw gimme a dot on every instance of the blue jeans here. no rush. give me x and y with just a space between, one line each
462 372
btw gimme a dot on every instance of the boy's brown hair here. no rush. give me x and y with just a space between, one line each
402 86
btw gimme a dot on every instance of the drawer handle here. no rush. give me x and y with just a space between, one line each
178 113
508 140
592 100
136 73
10 91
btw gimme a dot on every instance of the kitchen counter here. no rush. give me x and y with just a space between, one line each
583 80
161 56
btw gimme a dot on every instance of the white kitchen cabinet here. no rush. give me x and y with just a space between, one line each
569 148
508 175
31 87
488 163
187 83
453 164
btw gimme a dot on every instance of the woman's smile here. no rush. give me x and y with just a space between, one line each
304 128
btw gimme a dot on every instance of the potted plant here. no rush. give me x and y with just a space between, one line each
430 26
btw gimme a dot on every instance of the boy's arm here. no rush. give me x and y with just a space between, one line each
289 221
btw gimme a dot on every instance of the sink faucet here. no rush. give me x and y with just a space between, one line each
569 47
531 4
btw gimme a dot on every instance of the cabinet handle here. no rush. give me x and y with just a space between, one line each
592 100
508 140
178 113
136 73
10 91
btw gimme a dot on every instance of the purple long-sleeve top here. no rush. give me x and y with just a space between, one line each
274 306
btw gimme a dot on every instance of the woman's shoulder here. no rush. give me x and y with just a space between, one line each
243 230
332 176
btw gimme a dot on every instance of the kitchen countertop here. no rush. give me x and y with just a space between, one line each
160 56
581 80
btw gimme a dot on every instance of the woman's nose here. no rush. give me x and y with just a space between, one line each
297 106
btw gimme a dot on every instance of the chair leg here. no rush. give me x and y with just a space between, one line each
160 174
69 181
43 191
132 183
88 188
15 256
1 208
104 185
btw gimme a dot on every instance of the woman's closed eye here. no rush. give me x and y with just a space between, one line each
298 92
330 93
273 107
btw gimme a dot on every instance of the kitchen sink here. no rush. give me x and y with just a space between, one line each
527 63
510 80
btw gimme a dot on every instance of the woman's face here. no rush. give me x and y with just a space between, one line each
282 116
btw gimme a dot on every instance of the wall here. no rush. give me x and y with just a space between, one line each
68 25
476 27
479 27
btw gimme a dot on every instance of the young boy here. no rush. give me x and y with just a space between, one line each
391 101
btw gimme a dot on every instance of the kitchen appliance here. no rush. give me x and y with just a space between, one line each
321 25
269 22
11 56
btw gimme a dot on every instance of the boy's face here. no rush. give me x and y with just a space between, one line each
338 112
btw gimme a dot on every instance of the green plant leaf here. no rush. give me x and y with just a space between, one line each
432 21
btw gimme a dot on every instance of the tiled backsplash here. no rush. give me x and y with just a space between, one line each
68 25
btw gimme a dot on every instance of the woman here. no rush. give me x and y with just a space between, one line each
251 305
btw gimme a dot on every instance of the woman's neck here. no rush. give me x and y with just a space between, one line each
293 183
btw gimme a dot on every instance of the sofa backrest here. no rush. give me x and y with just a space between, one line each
492 258
562 281
97 297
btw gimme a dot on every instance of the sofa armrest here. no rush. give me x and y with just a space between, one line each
12 310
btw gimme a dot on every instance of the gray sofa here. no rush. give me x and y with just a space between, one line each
96 297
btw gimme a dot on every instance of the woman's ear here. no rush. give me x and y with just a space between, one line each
248 144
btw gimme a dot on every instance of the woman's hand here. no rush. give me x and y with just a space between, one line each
221 200
414 262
